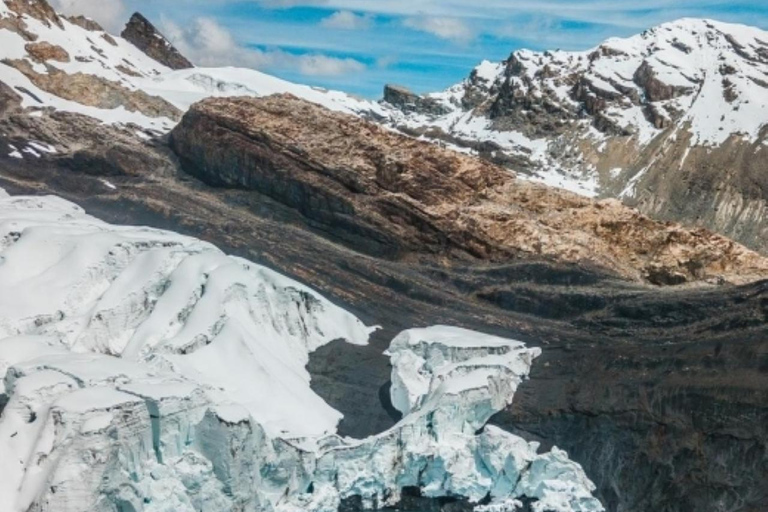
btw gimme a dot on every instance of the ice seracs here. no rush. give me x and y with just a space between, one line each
450 360
147 371
448 382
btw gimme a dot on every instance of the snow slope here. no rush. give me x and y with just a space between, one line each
148 371
112 58
153 296
90 53
187 86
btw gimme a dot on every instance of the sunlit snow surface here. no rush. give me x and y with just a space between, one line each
92 53
149 371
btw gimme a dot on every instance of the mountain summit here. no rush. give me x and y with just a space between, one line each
142 33
672 121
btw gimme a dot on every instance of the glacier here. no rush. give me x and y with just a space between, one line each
146 371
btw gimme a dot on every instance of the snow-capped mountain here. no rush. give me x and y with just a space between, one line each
144 370
72 65
672 120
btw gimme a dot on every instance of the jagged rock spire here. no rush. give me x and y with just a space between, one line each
143 34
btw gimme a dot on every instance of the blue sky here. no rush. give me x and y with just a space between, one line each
426 45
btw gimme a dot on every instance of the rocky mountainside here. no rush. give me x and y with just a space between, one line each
74 66
672 121
661 351
143 35
653 349
669 121
390 195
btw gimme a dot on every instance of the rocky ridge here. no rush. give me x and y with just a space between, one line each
72 65
142 33
669 114
368 184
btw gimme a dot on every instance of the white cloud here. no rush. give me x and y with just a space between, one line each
347 20
322 65
289 3
207 43
452 29
386 61
110 14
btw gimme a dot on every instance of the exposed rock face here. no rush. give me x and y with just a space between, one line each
80 143
654 88
86 23
518 102
368 184
408 101
9 100
95 91
672 121
44 51
143 34
38 9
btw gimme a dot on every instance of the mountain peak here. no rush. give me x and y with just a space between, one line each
145 36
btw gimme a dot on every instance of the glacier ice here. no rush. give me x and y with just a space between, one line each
147 371
448 382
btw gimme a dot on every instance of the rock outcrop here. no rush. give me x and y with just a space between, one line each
392 196
407 101
44 51
95 91
143 34
41 10
78 142
86 23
